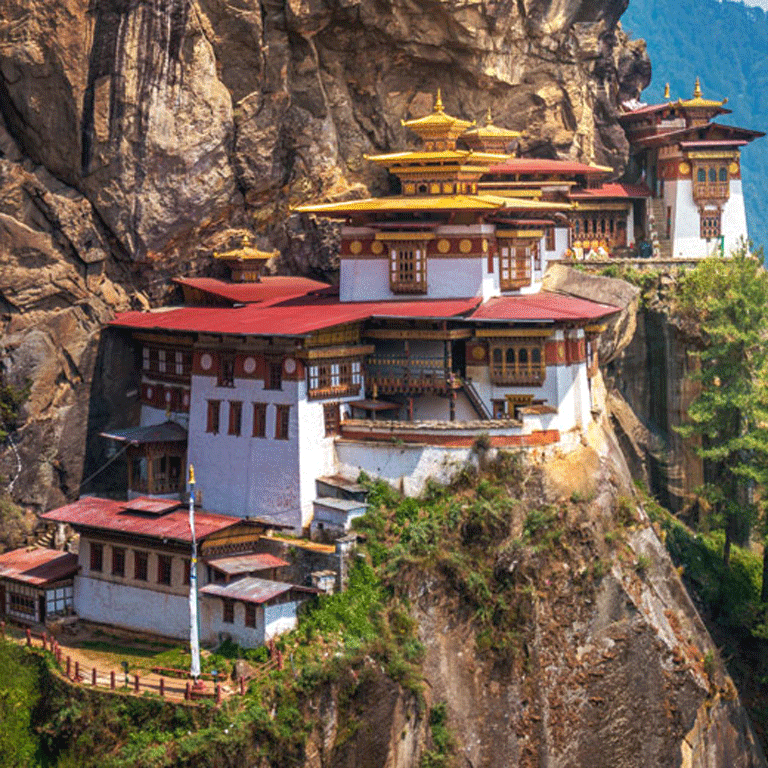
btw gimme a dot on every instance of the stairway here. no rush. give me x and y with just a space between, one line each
477 402
657 222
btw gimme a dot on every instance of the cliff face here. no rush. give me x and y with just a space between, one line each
136 137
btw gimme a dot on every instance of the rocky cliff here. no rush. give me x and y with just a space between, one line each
137 136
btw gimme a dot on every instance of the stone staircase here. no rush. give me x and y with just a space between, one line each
657 222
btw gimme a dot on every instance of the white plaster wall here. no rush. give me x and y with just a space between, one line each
430 407
213 629
280 618
149 416
406 467
245 475
686 226
145 610
364 280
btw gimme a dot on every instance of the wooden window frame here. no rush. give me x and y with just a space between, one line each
282 422
340 377
213 422
273 378
141 565
118 561
515 265
235 418
226 371
227 610
259 420
96 557
250 615
187 571
549 238
710 223
332 418
408 266
165 570
518 362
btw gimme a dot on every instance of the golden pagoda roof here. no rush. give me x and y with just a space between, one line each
246 252
438 125
698 101
491 131
480 202
442 157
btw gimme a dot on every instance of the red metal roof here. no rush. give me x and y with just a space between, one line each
292 317
268 289
110 515
251 563
542 165
541 306
714 143
167 432
613 190
37 566
253 590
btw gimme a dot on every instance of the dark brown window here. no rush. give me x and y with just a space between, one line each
214 407
259 419
550 239
235 417
331 418
408 267
187 571
274 378
517 363
514 265
228 616
282 420
226 371
499 409
710 224
250 615
97 557
140 569
164 569
118 561
334 378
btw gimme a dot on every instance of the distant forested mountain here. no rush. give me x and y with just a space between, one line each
726 45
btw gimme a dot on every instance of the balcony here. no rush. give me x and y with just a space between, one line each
393 374
719 190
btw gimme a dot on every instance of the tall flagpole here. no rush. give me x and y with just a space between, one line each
194 640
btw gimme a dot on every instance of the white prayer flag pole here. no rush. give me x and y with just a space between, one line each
194 640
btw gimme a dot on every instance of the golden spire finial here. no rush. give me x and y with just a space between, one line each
666 91
439 101
489 116
697 90
191 475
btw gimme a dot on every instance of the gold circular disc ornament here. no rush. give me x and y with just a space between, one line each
355 247
443 246
409 189
733 169
465 246
478 353
377 247
485 246
684 169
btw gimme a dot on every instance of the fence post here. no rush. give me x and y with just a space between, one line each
162 686
77 671
242 686
29 636
45 642
2 628
218 694
93 677
112 679
69 665
187 692
136 684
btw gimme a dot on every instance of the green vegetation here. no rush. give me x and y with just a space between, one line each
11 400
15 526
729 417
20 693
726 45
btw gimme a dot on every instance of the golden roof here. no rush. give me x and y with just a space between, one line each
438 126
441 157
481 202
491 131
698 102
246 252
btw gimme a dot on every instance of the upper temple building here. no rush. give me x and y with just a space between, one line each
692 167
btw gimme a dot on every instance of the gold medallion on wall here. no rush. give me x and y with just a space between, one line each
377 247
465 245
733 169
684 168
355 247
443 245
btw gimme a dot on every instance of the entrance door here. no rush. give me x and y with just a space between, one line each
2 600
41 608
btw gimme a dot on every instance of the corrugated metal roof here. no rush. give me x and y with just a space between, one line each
37 566
253 590
152 506
167 432
114 516
268 289
341 505
246 563
541 306
294 317
613 190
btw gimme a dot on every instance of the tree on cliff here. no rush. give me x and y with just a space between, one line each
729 298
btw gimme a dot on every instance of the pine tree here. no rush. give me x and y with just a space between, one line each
730 415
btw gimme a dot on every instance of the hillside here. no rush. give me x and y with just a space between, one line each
726 45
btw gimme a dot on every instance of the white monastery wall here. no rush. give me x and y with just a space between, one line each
734 224
279 618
